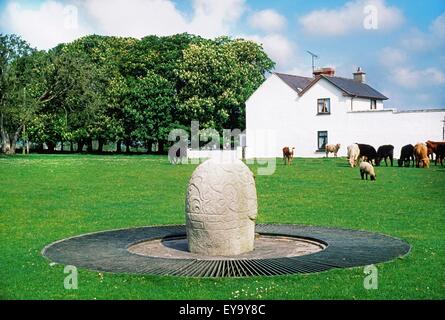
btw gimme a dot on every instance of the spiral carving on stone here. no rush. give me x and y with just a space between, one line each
221 208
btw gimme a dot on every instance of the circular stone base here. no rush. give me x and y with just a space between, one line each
122 251
265 247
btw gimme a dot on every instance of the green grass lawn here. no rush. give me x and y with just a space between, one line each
44 198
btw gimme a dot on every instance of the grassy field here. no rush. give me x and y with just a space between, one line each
44 198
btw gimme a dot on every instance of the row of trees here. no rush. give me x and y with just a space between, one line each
124 90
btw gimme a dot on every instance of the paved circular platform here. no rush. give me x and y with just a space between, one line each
161 250
265 247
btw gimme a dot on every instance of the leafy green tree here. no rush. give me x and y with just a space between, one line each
113 89
150 109
73 100
109 56
48 128
151 56
218 77
161 55
22 88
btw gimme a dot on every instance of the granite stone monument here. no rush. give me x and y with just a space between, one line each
221 208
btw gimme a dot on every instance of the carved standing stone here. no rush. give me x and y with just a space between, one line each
221 208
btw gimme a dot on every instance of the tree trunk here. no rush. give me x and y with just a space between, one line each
80 145
100 147
71 146
5 144
12 141
119 146
40 147
4 135
51 146
61 146
12 146
127 146
24 135
90 145
160 146
149 146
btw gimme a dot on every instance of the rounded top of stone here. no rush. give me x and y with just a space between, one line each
225 164
217 186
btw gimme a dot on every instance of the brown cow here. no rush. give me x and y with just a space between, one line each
440 154
421 154
432 148
332 148
288 155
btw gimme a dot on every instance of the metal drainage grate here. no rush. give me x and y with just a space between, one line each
107 251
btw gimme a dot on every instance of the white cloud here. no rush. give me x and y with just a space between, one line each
405 76
416 40
140 18
391 57
161 17
414 78
215 18
267 20
46 26
350 18
303 70
423 97
278 48
43 26
438 27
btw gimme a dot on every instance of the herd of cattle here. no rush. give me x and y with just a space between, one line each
366 154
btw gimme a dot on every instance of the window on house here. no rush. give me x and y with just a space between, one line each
322 140
324 106
373 104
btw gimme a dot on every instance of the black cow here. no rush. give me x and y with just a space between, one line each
367 152
384 152
406 155
440 153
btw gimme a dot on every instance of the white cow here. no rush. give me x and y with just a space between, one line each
353 154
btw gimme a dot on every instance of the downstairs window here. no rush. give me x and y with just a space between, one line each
322 140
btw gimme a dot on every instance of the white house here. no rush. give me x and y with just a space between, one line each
307 113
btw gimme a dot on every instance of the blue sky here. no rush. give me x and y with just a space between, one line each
402 47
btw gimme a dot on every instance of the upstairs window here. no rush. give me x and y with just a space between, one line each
373 104
324 106
322 140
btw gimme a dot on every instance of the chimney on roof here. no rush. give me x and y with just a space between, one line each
360 75
330 72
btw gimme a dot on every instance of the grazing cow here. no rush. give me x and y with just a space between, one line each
353 154
288 155
421 154
384 152
406 155
440 153
367 152
432 148
332 148
367 169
